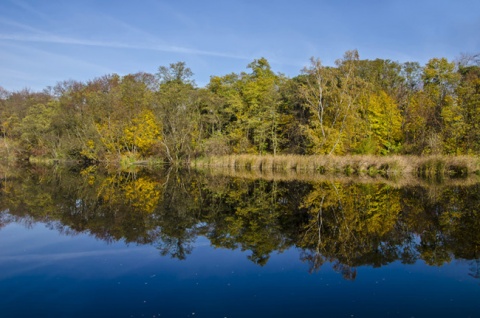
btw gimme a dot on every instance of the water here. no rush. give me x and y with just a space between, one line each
91 244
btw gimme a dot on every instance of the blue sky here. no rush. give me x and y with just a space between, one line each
43 42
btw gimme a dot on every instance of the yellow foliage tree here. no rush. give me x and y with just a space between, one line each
331 97
383 122
143 133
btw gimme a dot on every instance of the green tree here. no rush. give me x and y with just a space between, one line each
228 89
37 134
252 106
382 125
463 125
439 83
260 93
331 95
176 72
177 109
383 75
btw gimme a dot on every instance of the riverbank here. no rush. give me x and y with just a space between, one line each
428 167
390 167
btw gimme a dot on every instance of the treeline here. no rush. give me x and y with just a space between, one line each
358 106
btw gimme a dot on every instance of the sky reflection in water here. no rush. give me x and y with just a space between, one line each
46 274
241 248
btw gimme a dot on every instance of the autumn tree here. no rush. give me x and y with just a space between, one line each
356 106
176 107
331 95
380 121
463 130
383 75
260 93
252 105
439 83
228 90
15 106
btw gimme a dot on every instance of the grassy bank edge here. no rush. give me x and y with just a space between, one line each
428 167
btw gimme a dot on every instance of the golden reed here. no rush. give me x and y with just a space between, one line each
427 167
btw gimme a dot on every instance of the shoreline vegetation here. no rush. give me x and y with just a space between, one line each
436 167
360 117
396 170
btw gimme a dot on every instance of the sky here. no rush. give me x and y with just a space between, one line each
43 42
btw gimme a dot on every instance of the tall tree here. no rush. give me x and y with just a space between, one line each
262 98
439 83
252 102
379 125
331 95
466 114
177 109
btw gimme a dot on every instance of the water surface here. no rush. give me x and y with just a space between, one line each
87 243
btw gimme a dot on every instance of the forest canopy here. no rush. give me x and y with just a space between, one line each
377 107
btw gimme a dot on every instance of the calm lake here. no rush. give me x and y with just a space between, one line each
83 242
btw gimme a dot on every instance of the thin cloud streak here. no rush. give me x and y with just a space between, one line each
58 58
30 9
20 26
72 41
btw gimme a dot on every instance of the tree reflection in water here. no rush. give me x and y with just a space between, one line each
346 224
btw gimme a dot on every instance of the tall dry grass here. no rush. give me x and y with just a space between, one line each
391 167
399 182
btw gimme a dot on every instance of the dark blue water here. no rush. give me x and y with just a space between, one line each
47 274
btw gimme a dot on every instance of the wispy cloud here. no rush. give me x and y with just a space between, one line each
143 39
21 26
23 69
24 6
48 55
167 9
54 39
